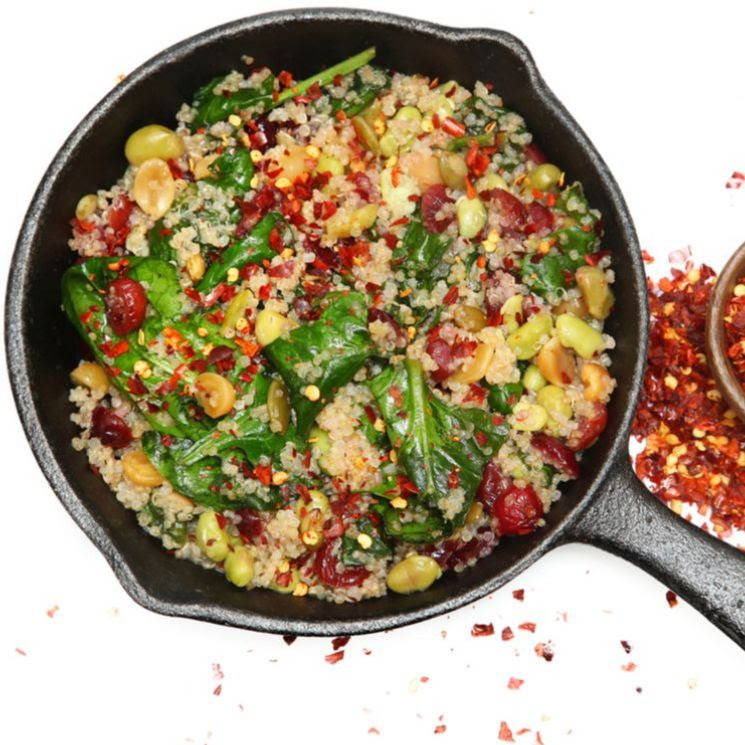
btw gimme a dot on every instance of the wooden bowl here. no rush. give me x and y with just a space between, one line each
716 342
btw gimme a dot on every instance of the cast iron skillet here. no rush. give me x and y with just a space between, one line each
606 507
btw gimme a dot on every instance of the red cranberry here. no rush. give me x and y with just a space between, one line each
126 305
512 212
376 314
439 350
556 453
493 486
534 153
589 428
110 428
540 218
518 510
433 200
327 569
251 525
222 357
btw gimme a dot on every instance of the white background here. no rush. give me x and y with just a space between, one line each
659 88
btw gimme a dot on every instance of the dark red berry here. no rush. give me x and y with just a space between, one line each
110 428
126 305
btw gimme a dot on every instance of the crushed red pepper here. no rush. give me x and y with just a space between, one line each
734 329
694 449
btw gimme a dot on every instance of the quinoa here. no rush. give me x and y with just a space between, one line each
317 330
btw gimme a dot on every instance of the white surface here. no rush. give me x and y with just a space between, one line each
659 90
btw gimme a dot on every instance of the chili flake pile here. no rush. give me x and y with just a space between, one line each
734 327
695 445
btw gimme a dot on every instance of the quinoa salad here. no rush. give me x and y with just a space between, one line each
344 334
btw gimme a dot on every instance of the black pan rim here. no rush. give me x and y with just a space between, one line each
16 343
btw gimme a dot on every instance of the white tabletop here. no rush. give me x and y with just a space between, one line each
660 91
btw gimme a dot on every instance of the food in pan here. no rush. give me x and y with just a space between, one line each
345 333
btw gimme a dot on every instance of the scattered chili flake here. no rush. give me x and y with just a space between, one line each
694 447
51 611
505 733
736 180
21 652
518 594
289 639
218 690
507 634
544 650
734 327
339 642
626 646
672 598
373 731
527 626
629 667
482 629
647 257
440 728
335 657
514 683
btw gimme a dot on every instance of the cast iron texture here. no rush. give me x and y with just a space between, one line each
42 347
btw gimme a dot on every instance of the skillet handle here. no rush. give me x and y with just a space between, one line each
627 520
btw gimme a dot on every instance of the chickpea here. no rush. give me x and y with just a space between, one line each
139 470
92 376
509 311
544 176
329 164
195 267
528 417
470 318
215 394
533 379
578 335
211 538
596 381
235 311
239 566
269 326
278 406
413 574
154 187
556 363
343 225
471 216
86 206
474 368
593 284
527 339
153 141
453 170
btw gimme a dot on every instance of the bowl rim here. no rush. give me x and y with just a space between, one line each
16 344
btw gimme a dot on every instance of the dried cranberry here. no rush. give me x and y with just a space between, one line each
534 153
327 569
556 453
376 314
110 428
251 525
518 510
439 350
433 200
362 185
263 133
540 218
282 270
126 305
512 212
222 357
493 486
589 428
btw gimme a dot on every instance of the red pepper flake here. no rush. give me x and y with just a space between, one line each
736 180
672 598
218 690
482 629
440 729
451 295
289 639
544 650
217 672
629 667
647 257
514 683
21 652
626 646
51 611
339 642
335 657
507 634
373 731
518 594
453 127
527 626
505 733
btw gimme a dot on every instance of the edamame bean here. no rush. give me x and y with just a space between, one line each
239 566
413 574
533 379
528 417
470 318
527 339
211 538
329 164
453 170
269 326
509 311
153 141
235 311
471 216
556 404
544 177
278 406
578 335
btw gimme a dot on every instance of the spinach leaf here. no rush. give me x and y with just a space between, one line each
161 285
502 398
554 272
420 252
214 107
419 524
337 345
153 518
360 94
436 443
159 240
234 169
353 554
573 202
249 249
485 139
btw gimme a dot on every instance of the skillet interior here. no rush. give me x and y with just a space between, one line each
42 347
